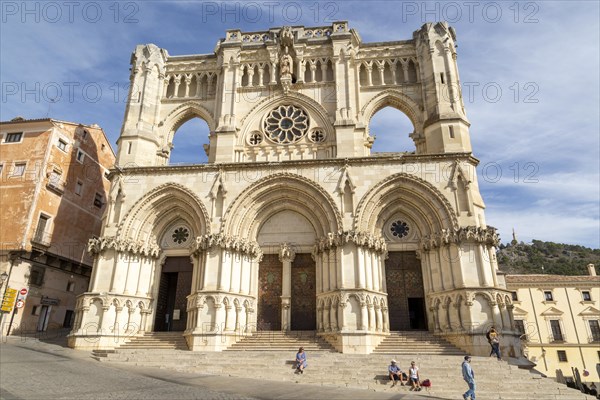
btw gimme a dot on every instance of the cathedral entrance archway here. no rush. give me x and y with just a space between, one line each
174 287
406 295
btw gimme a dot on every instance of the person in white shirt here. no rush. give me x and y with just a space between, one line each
413 377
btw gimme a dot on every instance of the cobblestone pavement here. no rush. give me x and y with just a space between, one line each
31 369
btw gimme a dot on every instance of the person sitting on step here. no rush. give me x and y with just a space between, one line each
300 360
413 377
395 373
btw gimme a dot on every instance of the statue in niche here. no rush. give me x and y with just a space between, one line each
285 65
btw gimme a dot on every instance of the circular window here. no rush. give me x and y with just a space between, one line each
255 138
399 229
317 135
180 235
286 124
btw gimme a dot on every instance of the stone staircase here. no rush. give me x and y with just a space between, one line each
150 341
496 380
416 342
270 356
288 342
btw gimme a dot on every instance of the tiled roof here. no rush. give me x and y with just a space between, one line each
548 279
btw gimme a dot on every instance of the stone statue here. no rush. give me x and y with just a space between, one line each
285 65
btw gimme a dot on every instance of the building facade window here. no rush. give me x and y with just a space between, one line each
586 295
562 355
36 275
19 169
98 200
80 156
69 318
70 286
62 145
548 295
514 296
594 330
78 188
557 335
14 137
40 231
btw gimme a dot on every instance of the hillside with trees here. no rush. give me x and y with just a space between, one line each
546 258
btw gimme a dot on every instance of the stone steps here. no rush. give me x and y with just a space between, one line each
270 356
269 341
495 380
420 342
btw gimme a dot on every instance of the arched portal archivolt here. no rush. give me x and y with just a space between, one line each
425 204
279 192
160 208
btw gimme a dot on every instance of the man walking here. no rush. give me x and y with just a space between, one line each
469 377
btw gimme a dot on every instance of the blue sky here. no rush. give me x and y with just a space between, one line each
530 75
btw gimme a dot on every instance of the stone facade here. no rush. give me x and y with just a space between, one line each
559 318
290 174
54 189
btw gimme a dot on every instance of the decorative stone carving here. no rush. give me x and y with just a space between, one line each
227 242
362 239
286 252
487 236
98 245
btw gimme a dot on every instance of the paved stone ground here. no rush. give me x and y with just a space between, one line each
34 369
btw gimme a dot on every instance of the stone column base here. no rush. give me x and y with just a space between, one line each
354 342
97 341
476 344
219 341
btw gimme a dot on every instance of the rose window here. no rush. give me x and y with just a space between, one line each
399 229
180 235
286 124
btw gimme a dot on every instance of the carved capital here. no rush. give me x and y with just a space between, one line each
286 253
473 234
134 247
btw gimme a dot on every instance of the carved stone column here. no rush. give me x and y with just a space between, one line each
378 318
386 322
286 256
228 318
372 322
364 316
115 327
102 325
144 319
496 315
341 318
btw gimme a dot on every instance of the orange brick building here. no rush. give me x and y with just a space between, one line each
53 190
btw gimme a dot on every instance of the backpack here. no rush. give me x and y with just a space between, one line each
426 383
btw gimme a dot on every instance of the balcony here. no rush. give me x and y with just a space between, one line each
558 338
56 187
41 240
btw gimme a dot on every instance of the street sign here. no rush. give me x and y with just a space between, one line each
23 291
8 301
19 304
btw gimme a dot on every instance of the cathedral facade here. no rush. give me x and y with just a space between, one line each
293 224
